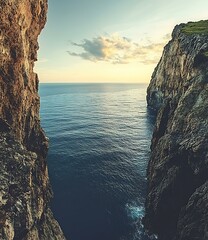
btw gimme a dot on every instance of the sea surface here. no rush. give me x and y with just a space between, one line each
100 137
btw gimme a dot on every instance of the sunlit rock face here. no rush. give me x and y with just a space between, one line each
20 24
24 190
177 200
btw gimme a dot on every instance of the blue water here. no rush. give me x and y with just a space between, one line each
99 148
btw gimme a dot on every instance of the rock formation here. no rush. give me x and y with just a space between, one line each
24 190
177 199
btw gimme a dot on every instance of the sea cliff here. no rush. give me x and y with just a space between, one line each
177 198
25 191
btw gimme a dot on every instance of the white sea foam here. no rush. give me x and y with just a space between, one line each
134 211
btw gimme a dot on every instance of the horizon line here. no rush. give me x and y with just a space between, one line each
94 82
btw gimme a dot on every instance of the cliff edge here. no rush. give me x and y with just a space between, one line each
177 199
24 190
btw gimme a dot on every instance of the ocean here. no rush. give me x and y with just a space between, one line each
100 137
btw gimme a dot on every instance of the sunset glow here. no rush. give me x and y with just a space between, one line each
105 41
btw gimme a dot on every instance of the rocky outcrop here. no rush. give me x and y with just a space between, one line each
24 190
177 199
21 23
24 195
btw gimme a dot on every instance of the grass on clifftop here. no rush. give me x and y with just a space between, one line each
200 27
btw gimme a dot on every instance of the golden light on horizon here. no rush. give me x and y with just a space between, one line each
99 72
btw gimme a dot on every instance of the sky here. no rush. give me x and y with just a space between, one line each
120 41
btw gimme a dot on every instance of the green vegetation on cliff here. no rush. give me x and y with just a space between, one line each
200 27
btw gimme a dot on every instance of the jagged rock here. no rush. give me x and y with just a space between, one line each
25 191
24 211
176 205
4 126
20 24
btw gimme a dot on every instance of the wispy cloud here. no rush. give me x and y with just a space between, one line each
119 50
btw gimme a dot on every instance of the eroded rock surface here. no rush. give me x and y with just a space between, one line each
25 190
177 200
24 194
20 24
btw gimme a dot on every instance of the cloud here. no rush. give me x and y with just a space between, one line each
119 50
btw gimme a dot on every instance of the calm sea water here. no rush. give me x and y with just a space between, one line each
99 147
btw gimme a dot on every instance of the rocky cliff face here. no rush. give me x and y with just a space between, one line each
24 190
177 200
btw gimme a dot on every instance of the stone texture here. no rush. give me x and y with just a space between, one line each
176 205
25 191
24 194
20 24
